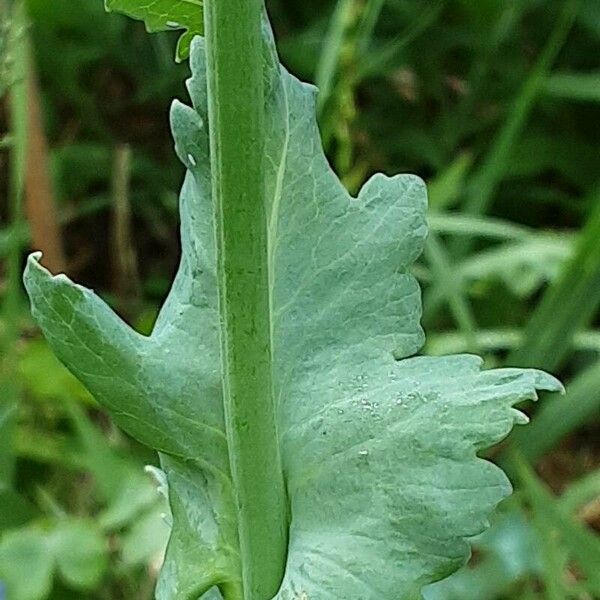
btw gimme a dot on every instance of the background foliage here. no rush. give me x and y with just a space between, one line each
496 103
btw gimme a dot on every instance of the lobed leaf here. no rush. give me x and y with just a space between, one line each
30 557
380 455
164 15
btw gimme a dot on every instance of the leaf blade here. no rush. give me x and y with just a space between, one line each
165 15
383 494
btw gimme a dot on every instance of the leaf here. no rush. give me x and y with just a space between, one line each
8 412
522 265
45 378
508 552
30 556
80 553
553 522
485 227
146 539
120 480
16 509
582 87
25 566
380 456
446 188
165 15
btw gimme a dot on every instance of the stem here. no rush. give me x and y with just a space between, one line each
236 115
19 48
125 266
10 310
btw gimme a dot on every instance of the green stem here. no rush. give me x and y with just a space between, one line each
236 114
9 386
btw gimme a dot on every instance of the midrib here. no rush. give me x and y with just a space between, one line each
276 204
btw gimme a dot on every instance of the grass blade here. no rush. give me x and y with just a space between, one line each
552 522
341 20
490 174
494 340
569 303
473 226
578 87
443 273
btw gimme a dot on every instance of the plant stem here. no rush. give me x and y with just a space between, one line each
127 285
236 114
11 306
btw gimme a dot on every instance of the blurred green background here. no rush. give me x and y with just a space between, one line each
496 103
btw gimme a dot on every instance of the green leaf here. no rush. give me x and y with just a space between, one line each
80 553
554 523
508 552
45 378
25 565
570 303
30 556
446 188
146 539
8 412
165 15
583 87
380 455
16 509
120 480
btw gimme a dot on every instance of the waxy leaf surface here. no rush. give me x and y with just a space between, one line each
164 15
379 454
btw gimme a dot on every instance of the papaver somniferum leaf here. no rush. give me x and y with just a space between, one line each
164 15
379 449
